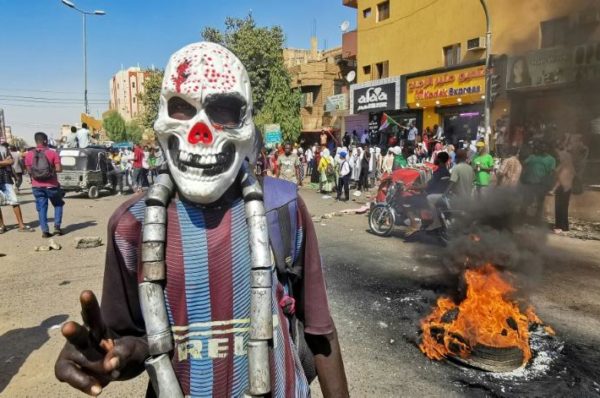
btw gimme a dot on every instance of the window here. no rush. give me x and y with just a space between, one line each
307 100
338 87
134 100
367 70
382 69
554 32
383 11
367 12
452 55
132 84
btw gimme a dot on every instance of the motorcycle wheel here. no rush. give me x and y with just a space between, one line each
381 220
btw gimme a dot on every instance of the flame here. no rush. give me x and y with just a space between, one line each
486 316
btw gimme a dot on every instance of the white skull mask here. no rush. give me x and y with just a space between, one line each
204 120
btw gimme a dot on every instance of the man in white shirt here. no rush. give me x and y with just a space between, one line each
310 156
344 178
439 133
72 138
412 135
364 137
83 136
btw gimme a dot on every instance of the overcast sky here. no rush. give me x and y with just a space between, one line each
41 55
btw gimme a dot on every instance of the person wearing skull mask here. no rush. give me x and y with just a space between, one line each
184 293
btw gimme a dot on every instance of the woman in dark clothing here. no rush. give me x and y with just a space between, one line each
363 181
315 176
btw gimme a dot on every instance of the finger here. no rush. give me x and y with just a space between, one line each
76 334
118 357
92 317
68 372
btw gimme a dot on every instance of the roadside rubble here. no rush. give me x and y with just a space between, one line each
52 245
327 216
579 229
87 242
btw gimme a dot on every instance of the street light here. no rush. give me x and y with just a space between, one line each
488 52
84 14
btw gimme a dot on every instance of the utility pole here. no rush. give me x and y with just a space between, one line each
72 5
488 74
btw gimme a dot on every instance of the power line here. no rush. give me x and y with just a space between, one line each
48 91
44 105
48 101
47 98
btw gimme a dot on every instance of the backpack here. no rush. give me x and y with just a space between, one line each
281 208
41 169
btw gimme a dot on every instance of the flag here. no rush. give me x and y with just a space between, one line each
386 121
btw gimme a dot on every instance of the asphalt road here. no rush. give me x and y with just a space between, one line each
378 288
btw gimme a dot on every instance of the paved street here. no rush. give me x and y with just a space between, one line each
379 288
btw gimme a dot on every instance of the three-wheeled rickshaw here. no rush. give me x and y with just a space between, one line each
84 170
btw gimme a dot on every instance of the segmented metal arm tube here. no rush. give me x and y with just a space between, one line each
151 290
261 314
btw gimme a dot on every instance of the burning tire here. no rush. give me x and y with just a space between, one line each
381 220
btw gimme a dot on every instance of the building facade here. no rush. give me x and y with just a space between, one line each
125 88
545 72
319 75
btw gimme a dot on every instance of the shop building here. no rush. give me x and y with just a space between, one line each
370 100
555 93
443 39
449 97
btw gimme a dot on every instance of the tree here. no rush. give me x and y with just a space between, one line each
150 98
261 51
19 142
115 127
135 132
257 47
282 105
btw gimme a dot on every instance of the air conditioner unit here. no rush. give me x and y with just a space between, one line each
475 44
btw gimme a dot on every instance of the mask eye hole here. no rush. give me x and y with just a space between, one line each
225 110
180 109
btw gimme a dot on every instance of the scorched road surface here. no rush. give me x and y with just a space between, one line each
378 290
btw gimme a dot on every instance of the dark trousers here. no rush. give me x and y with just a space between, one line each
18 180
343 182
309 167
363 180
116 179
561 208
534 196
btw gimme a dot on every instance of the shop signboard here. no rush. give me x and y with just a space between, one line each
337 102
272 135
375 96
554 66
447 88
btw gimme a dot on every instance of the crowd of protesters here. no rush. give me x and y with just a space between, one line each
532 163
131 169
532 158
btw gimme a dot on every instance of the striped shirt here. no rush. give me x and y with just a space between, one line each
208 296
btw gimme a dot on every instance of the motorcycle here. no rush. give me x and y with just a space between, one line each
384 216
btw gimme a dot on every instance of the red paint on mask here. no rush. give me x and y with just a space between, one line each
200 134
183 72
